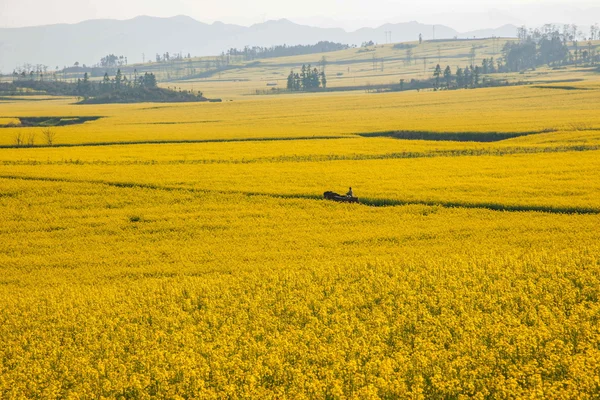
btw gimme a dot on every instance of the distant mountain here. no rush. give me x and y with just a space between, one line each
87 42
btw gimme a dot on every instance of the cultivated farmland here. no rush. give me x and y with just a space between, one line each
185 250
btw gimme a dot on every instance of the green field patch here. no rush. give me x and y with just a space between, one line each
31 122
561 87
452 136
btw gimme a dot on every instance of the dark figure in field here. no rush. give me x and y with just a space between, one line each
331 195
350 194
338 197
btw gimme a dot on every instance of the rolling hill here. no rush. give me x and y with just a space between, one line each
86 42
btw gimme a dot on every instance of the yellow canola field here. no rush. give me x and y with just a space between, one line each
216 270
113 292
295 150
512 109
566 181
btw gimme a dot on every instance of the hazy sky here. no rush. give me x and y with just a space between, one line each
350 14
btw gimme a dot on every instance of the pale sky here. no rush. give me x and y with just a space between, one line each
462 15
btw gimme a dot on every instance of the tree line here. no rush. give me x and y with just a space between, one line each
467 77
251 53
87 88
116 89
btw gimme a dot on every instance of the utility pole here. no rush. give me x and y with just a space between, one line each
143 58
434 32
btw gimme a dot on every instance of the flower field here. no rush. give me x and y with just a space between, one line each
184 251
512 110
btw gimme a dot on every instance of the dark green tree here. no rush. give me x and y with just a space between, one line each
448 76
290 81
476 76
468 80
437 73
460 77
118 79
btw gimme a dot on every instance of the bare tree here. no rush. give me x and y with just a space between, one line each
49 136
18 139
31 139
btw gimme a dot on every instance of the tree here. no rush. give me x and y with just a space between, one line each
49 136
304 76
290 80
460 77
401 84
492 66
437 73
552 50
118 79
86 86
448 76
323 80
484 66
323 63
594 32
522 33
148 81
315 79
420 38
520 56
476 74
111 61
468 80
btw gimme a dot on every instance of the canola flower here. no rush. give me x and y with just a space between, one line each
213 296
215 270
562 182
498 110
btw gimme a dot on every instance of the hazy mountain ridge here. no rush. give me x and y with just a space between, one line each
88 41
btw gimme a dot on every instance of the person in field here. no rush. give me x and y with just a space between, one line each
350 194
